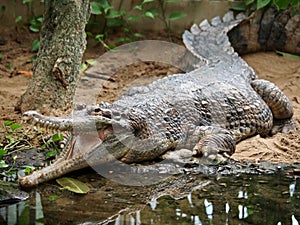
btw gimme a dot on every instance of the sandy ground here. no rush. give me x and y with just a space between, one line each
285 72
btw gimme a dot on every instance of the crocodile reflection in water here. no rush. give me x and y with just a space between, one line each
245 199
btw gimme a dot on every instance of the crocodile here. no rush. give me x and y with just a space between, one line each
202 113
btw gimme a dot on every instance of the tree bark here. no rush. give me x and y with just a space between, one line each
56 69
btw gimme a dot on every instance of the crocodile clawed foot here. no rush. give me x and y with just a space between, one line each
285 126
215 144
211 153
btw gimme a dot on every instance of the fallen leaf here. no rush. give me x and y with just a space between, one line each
73 185
288 55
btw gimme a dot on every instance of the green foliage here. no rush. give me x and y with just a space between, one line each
15 140
28 169
57 137
253 5
176 16
52 143
18 19
12 125
10 128
115 18
262 3
53 197
3 164
35 24
27 1
86 64
8 66
161 13
2 9
111 17
35 45
2 153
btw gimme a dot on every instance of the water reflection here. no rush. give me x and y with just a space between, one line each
292 188
23 212
294 220
209 209
183 199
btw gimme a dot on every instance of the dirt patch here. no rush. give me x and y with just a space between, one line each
284 72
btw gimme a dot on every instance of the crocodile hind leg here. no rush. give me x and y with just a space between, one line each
215 144
279 104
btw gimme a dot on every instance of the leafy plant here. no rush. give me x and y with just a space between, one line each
253 5
35 45
53 197
28 169
35 23
167 19
18 19
2 9
111 17
14 140
8 66
2 162
12 125
52 143
114 18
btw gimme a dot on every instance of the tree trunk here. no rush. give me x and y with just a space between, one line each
56 69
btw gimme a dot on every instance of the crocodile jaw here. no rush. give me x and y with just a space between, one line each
74 155
53 171
67 162
80 152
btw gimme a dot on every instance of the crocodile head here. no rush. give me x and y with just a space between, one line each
94 137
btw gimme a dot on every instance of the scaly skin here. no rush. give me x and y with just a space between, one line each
207 110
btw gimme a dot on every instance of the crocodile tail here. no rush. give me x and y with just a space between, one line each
268 30
209 40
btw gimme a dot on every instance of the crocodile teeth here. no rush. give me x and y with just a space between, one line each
35 120
46 124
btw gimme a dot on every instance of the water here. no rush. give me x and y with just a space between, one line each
182 199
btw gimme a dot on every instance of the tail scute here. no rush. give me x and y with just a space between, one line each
209 41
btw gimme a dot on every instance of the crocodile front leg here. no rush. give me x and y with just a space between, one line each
215 144
279 104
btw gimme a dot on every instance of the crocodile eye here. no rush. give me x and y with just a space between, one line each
97 110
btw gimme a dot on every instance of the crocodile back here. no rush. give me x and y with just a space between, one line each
180 102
